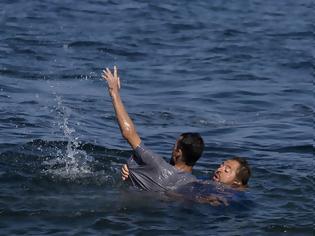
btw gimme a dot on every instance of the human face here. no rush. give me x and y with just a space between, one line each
226 173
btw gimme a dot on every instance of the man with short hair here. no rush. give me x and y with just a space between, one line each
233 175
146 169
230 178
234 172
151 172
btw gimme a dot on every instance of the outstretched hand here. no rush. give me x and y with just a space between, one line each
113 81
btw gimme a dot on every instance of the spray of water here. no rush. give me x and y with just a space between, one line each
70 163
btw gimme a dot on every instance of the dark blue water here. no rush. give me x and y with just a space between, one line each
238 72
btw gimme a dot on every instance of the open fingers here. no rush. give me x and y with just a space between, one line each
112 78
107 74
104 76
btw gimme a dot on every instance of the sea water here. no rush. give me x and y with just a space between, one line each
238 72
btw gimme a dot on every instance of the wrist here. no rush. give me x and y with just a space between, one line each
114 94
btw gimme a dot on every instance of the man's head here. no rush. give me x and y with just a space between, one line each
234 172
188 149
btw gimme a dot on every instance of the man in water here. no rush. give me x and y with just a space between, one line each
146 169
150 172
233 172
227 185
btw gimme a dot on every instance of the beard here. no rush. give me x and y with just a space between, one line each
172 162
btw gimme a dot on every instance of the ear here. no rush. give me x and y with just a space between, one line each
178 154
237 183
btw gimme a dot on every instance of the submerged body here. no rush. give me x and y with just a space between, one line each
211 192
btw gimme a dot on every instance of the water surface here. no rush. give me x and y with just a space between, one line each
240 73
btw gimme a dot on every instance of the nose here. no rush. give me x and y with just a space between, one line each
220 167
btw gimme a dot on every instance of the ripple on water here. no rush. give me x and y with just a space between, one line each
223 69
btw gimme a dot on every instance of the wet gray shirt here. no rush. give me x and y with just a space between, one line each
151 172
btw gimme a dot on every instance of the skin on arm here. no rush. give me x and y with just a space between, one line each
126 125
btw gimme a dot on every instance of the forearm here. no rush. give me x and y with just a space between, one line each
126 125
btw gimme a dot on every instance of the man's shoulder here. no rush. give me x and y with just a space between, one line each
141 148
145 155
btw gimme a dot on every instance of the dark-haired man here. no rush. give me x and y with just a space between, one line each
233 172
151 172
146 169
230 178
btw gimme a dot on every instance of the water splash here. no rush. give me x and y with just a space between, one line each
70 163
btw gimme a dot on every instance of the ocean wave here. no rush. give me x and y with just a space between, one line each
62 161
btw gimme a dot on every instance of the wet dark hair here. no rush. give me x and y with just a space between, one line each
192 146
244 172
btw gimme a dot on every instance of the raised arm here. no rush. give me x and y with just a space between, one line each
126 125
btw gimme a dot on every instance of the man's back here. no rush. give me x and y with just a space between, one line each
151 172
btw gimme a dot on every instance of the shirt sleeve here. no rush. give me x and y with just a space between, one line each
144 156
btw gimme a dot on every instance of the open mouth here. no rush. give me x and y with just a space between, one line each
215 177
